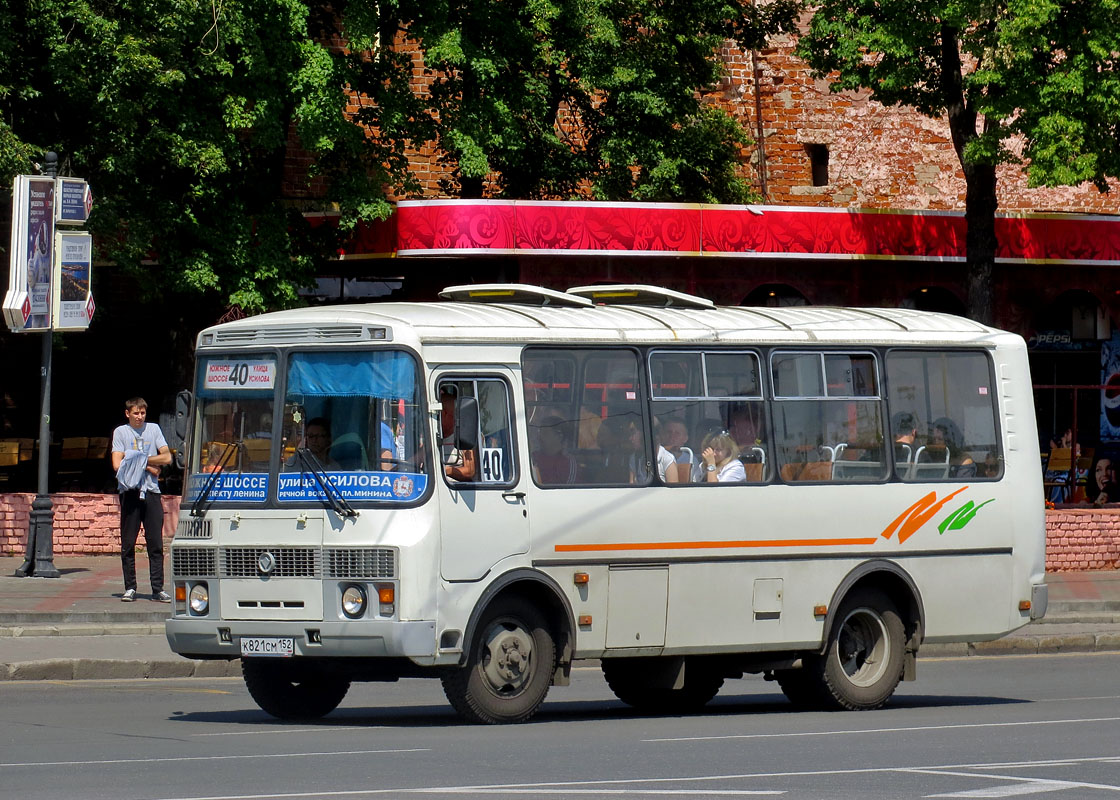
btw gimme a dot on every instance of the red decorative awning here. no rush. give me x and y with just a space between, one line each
492 227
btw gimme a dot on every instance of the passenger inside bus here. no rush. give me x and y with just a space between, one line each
459 464
666 464
615 462
946 434
552 464
721 462
674 434
905 428
749 434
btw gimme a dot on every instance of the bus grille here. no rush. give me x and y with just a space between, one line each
194 561
366 562
291 562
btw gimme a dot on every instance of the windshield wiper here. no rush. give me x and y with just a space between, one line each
200 506
334 497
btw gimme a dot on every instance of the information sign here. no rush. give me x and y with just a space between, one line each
75 201
70 281
27 304
240 373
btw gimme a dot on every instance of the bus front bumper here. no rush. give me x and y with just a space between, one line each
216 638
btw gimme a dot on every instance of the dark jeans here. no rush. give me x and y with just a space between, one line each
149 512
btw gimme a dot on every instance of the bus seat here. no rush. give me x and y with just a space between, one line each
816 471
257 452
349 452
754 472
792 471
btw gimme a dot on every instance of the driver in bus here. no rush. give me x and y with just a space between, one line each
318 439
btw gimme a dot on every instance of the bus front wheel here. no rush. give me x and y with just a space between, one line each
292 688
509 668
863 663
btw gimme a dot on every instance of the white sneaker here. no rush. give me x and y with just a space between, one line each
161 597
129 596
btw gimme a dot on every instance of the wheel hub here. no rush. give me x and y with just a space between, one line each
863 647
508 662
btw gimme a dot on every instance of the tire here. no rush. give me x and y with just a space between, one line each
863 662
509 667
293 689
801 687
624 677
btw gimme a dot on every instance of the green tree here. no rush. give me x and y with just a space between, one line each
555 97
1041 73
178 113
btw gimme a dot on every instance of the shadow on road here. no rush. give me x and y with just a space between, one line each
559 711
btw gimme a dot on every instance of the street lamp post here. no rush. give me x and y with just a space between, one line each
39 560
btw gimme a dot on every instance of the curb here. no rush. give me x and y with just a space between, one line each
89 669
1027 645
65 669
83 629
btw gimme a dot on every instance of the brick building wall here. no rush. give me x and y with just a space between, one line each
1082 539
84 524
879 157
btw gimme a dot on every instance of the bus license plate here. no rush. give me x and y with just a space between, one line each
283 647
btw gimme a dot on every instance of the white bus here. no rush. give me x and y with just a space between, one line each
489 489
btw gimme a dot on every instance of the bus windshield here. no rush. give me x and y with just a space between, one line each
354 414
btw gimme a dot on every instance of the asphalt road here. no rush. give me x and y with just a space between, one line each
969 727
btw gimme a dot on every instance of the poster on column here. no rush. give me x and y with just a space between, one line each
70 281
27 303
1110 394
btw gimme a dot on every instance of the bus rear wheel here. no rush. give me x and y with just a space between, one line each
627 679
509 668
293 688
863 662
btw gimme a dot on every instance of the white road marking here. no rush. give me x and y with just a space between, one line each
887 730
320 729
1035 784
203 758
1007 791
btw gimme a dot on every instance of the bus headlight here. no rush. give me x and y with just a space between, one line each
353 601
200 599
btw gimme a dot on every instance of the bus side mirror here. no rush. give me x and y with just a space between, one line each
466 423
180 426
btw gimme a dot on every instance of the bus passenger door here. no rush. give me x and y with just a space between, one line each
483 517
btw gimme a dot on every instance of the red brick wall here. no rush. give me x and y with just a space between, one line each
1082 539
84 524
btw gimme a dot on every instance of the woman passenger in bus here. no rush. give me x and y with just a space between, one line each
551 462
458 463
721 462
945 433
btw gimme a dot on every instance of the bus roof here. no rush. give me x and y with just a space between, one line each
547 319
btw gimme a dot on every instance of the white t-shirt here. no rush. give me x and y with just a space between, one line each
148 439
732 472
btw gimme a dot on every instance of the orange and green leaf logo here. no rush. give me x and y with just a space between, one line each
909 521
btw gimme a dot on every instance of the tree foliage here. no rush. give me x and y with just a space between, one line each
554 97
1033 82
179 114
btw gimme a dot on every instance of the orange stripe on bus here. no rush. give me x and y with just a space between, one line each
572 548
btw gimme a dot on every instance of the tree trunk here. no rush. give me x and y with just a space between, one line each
980 241
980 184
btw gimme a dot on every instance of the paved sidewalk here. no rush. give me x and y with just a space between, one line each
76 627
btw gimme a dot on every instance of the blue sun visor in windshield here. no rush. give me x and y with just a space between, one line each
389 375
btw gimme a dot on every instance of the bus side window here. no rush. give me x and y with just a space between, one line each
476 444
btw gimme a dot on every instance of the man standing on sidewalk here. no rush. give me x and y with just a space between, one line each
139 450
